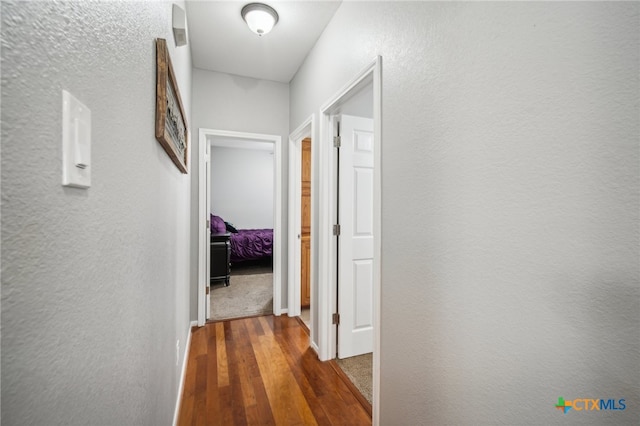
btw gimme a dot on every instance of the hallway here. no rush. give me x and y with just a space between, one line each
260 370
509 271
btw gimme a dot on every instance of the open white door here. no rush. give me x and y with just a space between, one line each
356 242
208 231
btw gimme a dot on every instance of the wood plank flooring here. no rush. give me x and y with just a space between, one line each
261 371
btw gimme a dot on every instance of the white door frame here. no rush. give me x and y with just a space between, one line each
305 130
203 280
327 255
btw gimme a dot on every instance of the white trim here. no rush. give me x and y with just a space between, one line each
207 248
202 224
305 130
372 74
325 222
377 223
313 346
277 214
183 373
277 229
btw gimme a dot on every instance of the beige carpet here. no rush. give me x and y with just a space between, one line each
246 296
305 316
360 370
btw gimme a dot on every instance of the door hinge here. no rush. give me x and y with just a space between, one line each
336 319
207 289
337 141
336 229
208 223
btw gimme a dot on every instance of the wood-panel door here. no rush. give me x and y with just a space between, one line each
305 231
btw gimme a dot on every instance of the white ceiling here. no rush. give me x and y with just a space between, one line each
221 41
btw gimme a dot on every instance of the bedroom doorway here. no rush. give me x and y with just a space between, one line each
242 194
209 218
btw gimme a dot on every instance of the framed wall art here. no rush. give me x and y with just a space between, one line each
171 125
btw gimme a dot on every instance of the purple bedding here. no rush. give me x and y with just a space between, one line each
246 244
251 244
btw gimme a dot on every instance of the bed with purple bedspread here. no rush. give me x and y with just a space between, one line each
246 244
251 244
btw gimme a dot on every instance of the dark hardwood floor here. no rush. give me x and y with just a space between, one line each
261 371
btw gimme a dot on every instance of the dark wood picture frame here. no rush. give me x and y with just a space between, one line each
171 126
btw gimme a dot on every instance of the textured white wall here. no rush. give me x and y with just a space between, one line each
510 203
242 187
94 282
229 102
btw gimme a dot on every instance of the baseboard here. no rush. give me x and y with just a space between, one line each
354 390
183 372
313 346
280 312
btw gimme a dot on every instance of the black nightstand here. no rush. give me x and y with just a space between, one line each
220 258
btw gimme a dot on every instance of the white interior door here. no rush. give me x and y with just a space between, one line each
355 243
208 231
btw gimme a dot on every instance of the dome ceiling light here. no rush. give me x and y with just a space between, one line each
259 17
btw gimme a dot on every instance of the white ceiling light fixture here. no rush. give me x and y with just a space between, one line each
259 17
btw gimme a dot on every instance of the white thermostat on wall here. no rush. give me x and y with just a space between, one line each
76 142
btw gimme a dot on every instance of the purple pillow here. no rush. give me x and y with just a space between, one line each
217 225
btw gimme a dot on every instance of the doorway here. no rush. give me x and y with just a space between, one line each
331 212
241 261
205 139
302 186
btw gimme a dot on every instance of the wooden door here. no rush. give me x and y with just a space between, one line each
305 232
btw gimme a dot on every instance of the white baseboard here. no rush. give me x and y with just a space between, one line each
183 372
313 346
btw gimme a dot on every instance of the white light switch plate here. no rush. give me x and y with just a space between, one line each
76 142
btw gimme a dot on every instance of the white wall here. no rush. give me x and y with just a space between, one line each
360 105
510 203
94 282
242 187
229 102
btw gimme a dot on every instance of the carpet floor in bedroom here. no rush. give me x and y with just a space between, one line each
359 369
250 293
